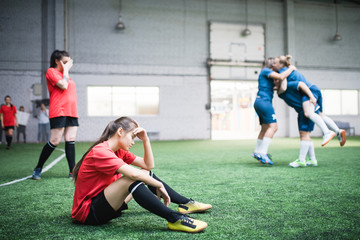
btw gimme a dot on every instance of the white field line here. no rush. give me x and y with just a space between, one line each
44 170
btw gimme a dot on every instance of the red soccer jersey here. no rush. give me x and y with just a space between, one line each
8 115
97 171
62 102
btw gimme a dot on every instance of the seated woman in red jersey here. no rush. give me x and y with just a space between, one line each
105 181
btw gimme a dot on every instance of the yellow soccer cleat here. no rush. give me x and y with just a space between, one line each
187 224
193 206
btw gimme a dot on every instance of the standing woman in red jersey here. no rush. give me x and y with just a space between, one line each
8 120
63 114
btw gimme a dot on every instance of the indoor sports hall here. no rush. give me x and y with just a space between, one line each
188 72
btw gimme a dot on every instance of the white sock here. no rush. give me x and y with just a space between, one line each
311 151
258 144
304 148
265 145
320 123
331 124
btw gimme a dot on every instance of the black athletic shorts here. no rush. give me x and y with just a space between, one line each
61 122
101 212
8 127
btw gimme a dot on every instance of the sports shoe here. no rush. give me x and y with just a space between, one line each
193 206
36 174
327 137
264 158
342 137
70 175
187 224
256 156
297 163
311 163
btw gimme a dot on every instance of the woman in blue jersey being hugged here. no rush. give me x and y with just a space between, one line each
326 124
265 110
292 94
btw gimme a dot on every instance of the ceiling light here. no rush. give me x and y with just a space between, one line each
337 36
246 31
120 25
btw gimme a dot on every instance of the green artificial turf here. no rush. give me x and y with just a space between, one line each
250 200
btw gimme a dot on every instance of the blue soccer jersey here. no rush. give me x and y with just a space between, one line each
266 84
292 96
296 76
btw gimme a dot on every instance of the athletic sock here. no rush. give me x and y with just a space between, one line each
146 199
70 154
9 140
331 124
258 144
320 123
304 148
45 153
264 147
174 196
311 151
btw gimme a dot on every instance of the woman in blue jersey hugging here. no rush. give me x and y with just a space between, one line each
265 110
303 99
326 124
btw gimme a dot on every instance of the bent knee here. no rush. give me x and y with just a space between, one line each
307 114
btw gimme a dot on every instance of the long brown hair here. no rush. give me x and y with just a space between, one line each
126 123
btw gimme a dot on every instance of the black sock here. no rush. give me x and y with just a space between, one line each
9 140
45 153
147 200
174 196
70 154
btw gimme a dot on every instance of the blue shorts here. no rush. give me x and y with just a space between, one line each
265 111
304 123
317 94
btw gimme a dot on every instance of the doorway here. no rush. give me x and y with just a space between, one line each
233 114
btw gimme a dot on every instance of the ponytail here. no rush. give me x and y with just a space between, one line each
285 60
57 55
126 123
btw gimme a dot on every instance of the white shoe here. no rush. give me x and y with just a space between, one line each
327 137
311 163
297 163
342 137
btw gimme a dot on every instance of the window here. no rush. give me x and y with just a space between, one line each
122 101
341 102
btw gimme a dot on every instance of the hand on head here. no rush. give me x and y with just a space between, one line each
140 133
66 66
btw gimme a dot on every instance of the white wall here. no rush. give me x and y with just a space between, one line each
165 44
